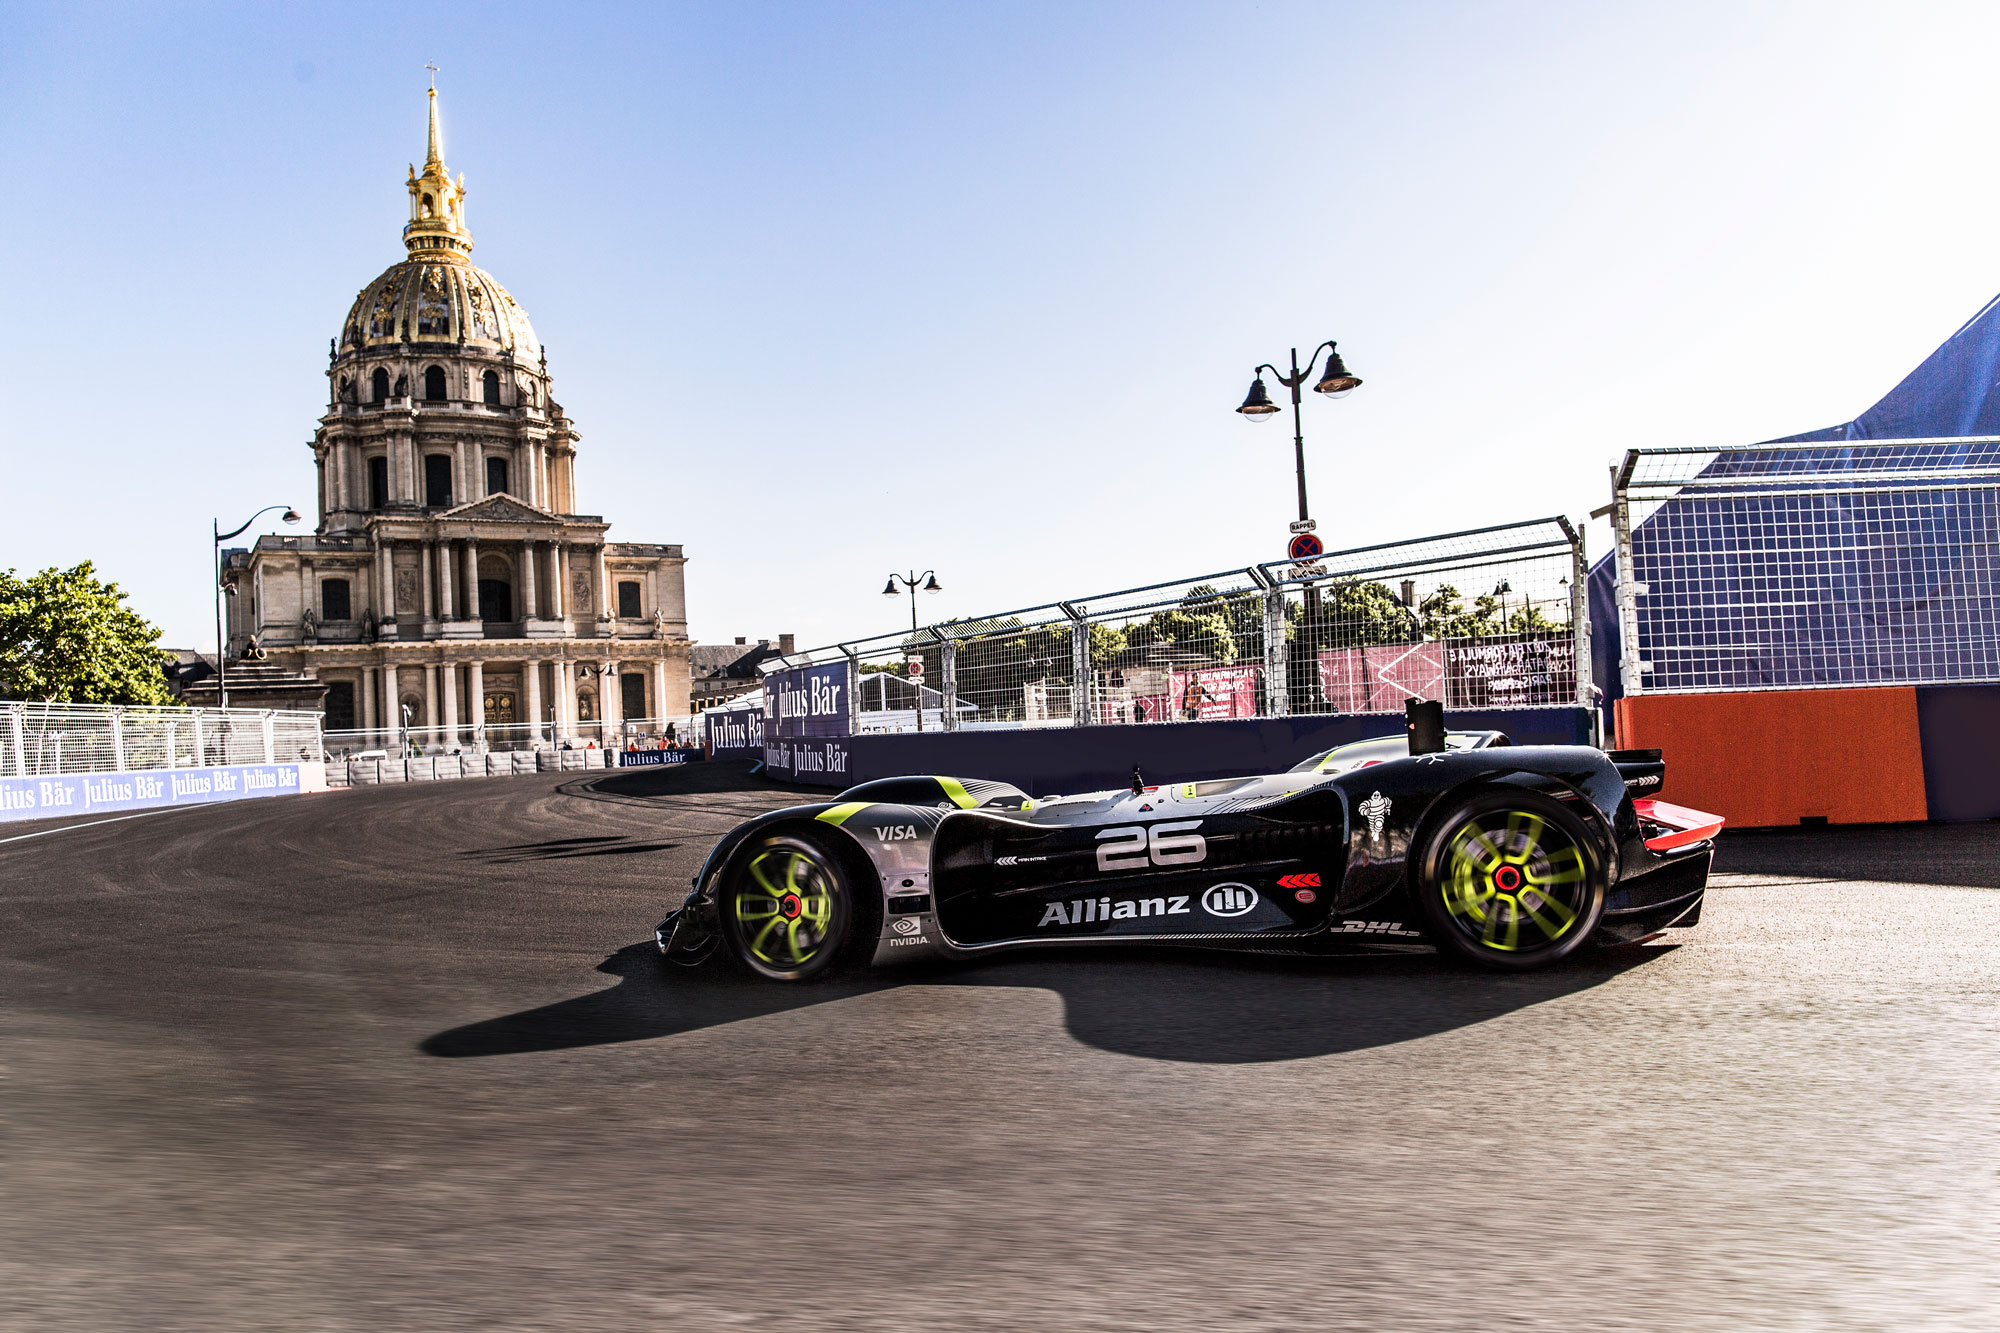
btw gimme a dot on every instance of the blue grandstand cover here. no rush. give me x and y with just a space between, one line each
1873 587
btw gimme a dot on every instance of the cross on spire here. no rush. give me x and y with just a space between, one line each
432 67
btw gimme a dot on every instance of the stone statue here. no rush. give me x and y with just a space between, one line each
309 626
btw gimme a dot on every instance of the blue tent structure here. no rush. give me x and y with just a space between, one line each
1954 393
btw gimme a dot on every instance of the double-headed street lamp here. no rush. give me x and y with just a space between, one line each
909 582
1336 382
291 515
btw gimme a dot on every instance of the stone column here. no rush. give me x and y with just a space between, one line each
384 599
450 703
611 706
448 604
565 687
475 703
392 717
531 609
430 694
604 606
471 579
559 585
425 555
531 676
659 708
368 689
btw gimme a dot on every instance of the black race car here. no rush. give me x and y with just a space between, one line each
1501 855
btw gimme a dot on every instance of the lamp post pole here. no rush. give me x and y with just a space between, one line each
291 515
909 582
1334 382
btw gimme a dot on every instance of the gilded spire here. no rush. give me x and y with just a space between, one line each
434 154
437 204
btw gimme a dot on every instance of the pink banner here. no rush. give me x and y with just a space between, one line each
1379 679
1207 693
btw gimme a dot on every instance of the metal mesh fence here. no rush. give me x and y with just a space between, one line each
47 739
649 733
1490 618
1806 566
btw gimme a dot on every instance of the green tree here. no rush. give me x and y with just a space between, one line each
67 637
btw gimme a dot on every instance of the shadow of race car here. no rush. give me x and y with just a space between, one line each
1504 856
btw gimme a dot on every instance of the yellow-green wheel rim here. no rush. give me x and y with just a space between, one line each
784 907
1514 881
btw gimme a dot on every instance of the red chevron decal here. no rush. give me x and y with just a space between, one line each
1299 882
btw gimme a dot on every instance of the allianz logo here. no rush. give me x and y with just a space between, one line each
1226 900
1082 911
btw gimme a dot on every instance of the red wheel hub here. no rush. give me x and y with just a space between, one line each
789 906
1507 879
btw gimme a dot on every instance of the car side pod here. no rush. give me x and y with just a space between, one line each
1668 827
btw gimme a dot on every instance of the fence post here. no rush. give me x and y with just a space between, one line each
948 682
854 691
1579 614
1079 663
200 749
1631 672
270 738
1277 688
16 725
118 740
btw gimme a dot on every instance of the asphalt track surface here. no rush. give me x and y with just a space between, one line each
403 1058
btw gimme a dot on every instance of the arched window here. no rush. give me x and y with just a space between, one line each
429 207
381 386
490 382
496 475
434 384
378 482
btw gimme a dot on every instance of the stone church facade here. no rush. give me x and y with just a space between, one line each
450 574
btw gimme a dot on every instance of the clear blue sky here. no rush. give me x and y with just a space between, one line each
835 289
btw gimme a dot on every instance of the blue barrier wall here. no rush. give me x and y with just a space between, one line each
1959 727
1052 761
43 798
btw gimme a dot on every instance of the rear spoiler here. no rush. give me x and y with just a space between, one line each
1667 827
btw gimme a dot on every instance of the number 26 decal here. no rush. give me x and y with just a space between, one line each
1136 847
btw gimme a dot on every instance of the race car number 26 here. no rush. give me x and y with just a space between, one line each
1136 847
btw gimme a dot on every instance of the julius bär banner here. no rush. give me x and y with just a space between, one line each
83 794
806 702
737 730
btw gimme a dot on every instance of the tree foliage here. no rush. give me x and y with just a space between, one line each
68 637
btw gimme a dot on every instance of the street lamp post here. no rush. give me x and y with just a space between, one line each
1336 382
909 582
290 515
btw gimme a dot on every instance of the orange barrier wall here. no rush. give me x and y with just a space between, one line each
1778 756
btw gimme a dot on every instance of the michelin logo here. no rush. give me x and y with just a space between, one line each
1375 810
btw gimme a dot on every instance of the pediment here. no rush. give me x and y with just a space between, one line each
502 508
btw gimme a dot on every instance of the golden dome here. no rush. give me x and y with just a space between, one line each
426 301
437 294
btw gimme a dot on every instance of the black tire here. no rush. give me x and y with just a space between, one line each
1510 880
792 909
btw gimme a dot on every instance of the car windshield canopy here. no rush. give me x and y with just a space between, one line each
1360 754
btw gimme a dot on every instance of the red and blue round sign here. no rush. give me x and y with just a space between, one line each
1304 546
